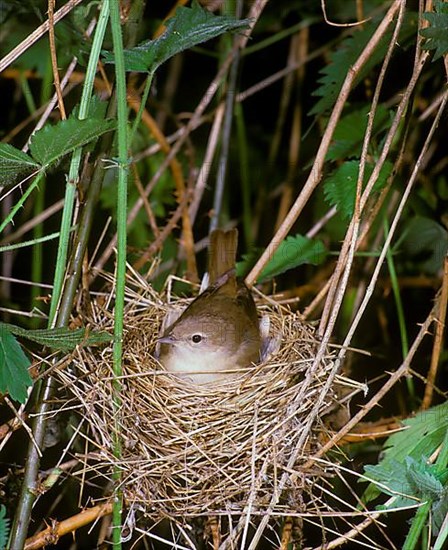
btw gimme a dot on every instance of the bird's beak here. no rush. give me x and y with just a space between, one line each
169 339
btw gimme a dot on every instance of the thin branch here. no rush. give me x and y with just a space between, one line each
36 35
54 59
317 168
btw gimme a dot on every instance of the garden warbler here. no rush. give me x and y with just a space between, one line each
218 333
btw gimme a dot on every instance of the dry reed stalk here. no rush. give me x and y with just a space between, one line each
191 451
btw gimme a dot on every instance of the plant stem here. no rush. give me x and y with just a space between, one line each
120 76
44 390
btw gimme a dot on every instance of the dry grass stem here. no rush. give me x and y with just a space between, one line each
225 450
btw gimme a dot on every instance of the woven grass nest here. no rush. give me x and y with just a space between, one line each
192 450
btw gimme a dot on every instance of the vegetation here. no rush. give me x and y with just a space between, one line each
129 131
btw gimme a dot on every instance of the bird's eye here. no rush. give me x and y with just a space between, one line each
196 338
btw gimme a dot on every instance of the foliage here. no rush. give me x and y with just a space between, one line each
49 145
340 185
14 376
292 252
4 527
349 134
425 243
345 56
437 34
189 27
14 364
14 163
271 156
404 471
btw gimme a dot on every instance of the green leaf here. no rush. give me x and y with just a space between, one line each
61 338
340 185
394 480
423 478
349 133
14 163
292 252
14 376
4 527
422 435
333 75
51 143
437 34
189 27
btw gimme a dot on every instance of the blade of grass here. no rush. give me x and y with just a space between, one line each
122 117
400 314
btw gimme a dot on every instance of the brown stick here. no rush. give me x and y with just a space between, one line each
438 339
54 59
51 534
317 168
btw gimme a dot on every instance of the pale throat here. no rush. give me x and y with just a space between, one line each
184 360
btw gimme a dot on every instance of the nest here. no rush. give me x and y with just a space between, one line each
199 450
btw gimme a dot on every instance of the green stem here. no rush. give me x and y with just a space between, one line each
73 176
120 76
142 106
400 311
22 200
44 389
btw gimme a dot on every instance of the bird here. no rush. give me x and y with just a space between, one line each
218 333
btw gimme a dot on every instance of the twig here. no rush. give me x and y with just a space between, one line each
54 59
438 339
52 534
253 15
36 35
176 169
204 172
386 387
317 168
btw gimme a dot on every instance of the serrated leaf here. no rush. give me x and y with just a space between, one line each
61 338
4 527
292 252
189 27
423 435
394 481
340 185
437 34
422 478
14 376
333 75
349 133
439 511
14 163
51 143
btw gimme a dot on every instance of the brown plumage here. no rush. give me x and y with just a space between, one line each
218 333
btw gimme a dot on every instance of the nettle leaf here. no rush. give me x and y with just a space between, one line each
437 34
61 338
14 163
333 75
51 143
340 185
14 376
422 478
349 133
189 27
4 527
422 435
394 482
292 252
